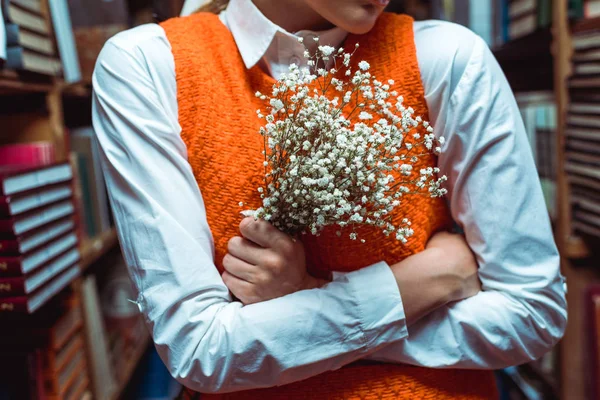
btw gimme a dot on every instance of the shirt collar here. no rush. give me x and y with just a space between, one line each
254 33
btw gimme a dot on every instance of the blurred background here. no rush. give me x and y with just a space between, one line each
69 330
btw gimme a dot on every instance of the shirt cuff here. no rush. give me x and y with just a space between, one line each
378 300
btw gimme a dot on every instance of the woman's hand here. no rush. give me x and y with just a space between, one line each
265 263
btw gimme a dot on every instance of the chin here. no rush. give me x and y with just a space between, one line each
360 22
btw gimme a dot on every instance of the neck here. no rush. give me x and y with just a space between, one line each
292 15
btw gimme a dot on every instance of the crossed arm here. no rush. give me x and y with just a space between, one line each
264 264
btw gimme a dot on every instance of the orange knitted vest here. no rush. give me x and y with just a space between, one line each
220 128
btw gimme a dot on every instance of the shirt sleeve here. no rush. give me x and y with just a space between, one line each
209 342
496 197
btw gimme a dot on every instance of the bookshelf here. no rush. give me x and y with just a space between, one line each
41 108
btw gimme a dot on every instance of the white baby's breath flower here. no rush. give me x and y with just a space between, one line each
325 165
326 50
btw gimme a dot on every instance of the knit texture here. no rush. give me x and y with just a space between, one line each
217 114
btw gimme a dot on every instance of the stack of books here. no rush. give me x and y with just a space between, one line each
39 250
47 353
583 133
64 358
29 38
526 16
39 38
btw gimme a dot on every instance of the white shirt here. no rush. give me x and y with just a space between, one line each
212 344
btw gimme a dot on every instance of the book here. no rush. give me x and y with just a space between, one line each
587 68
65 40
18 179
15 226
28 154
24 285
57 382
518 8
584 108
544 13
3 39
19 58
105 383
523 26
590 121
27 201
36 238
592 8
582 133
575 9
583 170
27 19
24 264
588 55
584 146
34 6
31 303
82 222
586 40
56 359
584 158
28 40
84 143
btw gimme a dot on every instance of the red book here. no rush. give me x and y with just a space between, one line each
16 226
34 154
23 265
27 201
36 238
24 285
29 304
18 179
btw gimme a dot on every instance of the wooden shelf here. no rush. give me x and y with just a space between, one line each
12 82
93 249
79 89
132 364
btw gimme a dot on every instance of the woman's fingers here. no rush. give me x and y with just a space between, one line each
261 232
239 268
245 250
243 290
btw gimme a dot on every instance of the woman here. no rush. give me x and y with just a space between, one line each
174 114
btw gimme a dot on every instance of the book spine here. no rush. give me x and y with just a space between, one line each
12 34
31 154
10 266
13 304
14 57
5 10
9 247
12 287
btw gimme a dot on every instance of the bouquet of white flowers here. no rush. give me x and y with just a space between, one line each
335 149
